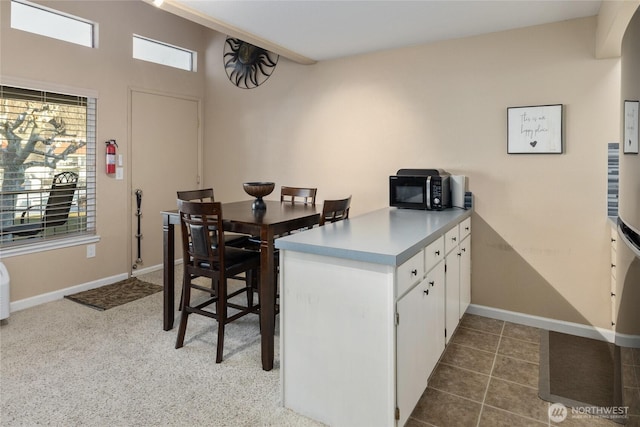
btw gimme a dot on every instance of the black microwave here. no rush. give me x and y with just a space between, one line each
427 189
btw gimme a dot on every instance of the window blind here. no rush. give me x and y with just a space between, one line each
47 166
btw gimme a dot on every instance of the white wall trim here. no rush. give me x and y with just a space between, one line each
141 271
49 245
571 328
624 340
59 294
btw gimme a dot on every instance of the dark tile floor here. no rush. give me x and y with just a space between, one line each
488 376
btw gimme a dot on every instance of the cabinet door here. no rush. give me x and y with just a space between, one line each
436 325
451 239
434 253
465 228
465 274
412 348
410 273
452 296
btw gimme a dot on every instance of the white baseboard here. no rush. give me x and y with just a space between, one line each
141 271
59 294
624 340
571 328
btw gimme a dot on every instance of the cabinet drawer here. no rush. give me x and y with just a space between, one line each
434 253
451 239
465 228
410 272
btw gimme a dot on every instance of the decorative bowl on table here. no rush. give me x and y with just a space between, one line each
258 190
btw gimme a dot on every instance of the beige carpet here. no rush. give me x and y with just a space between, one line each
64 365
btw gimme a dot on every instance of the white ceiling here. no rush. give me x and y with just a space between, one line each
328 29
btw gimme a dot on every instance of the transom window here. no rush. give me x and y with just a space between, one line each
47 166
51 23
162 53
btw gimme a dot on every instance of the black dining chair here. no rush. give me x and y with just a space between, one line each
206 255
230 239
335 210
298 194
206 195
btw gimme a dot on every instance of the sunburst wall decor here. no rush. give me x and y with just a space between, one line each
247 66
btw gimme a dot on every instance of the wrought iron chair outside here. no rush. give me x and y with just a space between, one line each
206 255
335 210
56 211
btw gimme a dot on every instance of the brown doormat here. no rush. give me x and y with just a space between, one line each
581 373
109 296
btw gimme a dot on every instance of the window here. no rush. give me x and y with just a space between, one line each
164 54
45 137
47 22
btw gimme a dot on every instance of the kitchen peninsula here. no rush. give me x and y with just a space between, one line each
365 309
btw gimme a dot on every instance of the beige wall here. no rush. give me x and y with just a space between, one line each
540 242
110 71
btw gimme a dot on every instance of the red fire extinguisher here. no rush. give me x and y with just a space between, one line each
111 156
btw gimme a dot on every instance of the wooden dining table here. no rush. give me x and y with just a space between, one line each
278 218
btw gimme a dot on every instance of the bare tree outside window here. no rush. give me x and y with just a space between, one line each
41 135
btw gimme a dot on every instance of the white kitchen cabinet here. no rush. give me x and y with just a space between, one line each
436 327
452 281
614 285
359 335
410 272
465 274
458 274
465 228
452 294
434 253
412 347
419 339
451 239
465 265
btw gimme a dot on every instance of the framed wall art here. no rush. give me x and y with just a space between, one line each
535 129
630 145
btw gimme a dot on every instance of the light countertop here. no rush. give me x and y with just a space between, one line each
386 236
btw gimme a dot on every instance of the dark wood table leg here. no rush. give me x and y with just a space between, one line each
267 298
168 238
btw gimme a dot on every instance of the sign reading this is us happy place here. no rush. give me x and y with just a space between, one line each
534 130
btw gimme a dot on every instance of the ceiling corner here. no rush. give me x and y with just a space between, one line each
612 22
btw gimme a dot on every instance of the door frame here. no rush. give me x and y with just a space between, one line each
129 165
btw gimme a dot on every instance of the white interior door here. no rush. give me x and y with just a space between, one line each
165 147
